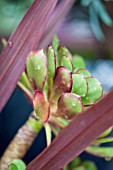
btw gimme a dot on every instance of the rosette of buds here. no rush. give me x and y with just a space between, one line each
61 84
59 87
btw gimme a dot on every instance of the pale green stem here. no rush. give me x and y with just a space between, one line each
25 90
48 133
25 81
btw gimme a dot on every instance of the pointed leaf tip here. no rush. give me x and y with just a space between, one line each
69 105
55 43
64 51
51 62
41 106
37 69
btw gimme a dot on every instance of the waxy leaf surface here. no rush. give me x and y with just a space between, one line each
69 105
51 62
79 86
64 51
106 133
41 106
78 62
89 165
94 91
37 69
62 81
103 140
55 43
83 72
24 80
74 163
65 61
17 164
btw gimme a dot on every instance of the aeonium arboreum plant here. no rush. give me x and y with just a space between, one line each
60 87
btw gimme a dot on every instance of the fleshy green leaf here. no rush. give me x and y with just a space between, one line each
45 89
51 65
106 152
79 86
78 62
51 62
65 61
24 80
69 105
64 51
41 106
62 81
103 140
83 72
89 165
80 168
78 135
17 164
86 165
76 162
37 69
12 167
106 133
55 43
94 91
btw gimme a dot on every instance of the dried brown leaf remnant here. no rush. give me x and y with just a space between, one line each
80 133
25 38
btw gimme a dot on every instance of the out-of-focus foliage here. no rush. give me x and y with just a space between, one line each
97 11
11 12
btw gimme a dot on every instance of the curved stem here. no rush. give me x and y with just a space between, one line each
26 91
21 142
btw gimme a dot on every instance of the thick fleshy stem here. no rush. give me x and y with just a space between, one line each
21 142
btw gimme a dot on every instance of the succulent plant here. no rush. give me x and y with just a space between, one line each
62 84
59 87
